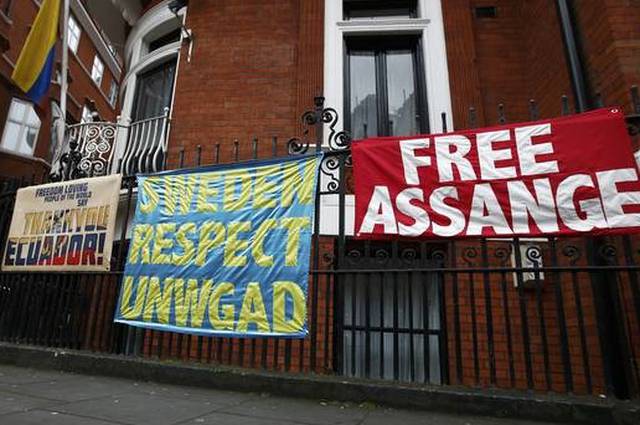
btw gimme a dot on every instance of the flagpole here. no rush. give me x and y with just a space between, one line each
64 71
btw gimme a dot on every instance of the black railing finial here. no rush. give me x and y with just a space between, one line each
502 118
318 117
635 99
564 110
473 117
534 114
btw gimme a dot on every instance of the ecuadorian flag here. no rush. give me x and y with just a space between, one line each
35 63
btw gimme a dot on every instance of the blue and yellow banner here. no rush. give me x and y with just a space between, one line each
222 251
34 66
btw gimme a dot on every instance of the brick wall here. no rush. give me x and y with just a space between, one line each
255 69
546 72
81 88
611 44
511 58
256 66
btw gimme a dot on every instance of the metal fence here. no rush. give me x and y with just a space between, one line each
550 314
101 148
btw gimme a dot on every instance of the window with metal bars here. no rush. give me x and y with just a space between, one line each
391 322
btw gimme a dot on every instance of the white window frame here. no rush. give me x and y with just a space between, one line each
24 125
87 115
429 25
74 34
153 22
97 70
113 93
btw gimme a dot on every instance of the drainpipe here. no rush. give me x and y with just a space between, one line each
610 324
576 65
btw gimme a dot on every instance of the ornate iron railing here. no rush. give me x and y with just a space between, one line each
101 148
146 147
550 315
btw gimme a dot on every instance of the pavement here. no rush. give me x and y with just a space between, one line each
29 396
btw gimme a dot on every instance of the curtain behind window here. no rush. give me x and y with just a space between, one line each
154 89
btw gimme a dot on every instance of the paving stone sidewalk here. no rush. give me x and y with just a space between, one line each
31 397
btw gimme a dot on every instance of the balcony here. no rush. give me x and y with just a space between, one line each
101 148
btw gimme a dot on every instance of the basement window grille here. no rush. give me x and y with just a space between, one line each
486 12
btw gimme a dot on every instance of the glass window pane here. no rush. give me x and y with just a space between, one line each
363 101
21 128
33 120
17 110
11 135
113 93
377 9
153 92
401 93
29 142
97 71
168 38
73 36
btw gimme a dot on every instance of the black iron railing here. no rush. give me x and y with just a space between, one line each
550 314
101 148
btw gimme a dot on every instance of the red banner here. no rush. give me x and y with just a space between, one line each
564 176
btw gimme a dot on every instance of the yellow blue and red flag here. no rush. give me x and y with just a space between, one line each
35 64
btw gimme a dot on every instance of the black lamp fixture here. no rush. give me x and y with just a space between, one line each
175 6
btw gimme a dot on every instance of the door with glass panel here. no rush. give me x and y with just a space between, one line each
391 323
146 147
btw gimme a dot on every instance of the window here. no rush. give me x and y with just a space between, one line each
392 323
403 52
22 127
384 63
97 70
153 94
154 89
384 87
486 12
113 93
73 37
168 38
87 115
362 9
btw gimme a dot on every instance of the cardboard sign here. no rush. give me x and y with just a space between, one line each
63 226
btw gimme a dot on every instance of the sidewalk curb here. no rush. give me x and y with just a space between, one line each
497 403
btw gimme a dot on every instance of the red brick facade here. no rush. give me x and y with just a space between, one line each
251 74
257 65
82 89
611 41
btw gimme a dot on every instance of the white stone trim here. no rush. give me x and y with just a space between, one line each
429 24
154 22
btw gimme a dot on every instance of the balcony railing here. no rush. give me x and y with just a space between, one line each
101 148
